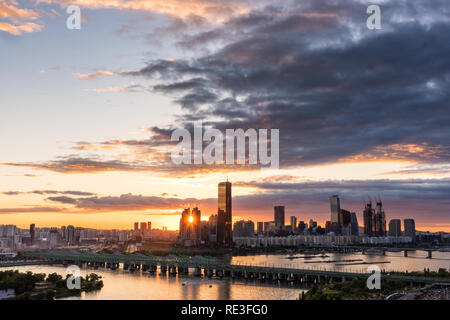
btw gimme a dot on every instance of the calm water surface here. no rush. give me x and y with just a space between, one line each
120 284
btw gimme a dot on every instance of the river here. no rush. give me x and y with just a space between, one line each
120 284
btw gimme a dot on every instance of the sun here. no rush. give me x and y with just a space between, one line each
191 219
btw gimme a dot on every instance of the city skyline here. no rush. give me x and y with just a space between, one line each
87 115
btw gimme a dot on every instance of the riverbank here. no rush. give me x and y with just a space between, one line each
39 286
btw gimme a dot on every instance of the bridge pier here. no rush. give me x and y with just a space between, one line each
198 272
172 270
405 253
430 254
209 273
163 268
384 252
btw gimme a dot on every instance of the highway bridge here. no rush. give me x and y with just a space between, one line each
209 267
374 249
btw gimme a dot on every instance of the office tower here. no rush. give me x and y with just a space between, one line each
312 224
143 226
149 226
293 223
64 233
32 233
260 227
332 227
354 224
53 237
369 213
243 228
395 228
136 226
212 222
279 217
301 226
344 228
71 237
335 206
410 229
379 222
224 215
266 227
189 234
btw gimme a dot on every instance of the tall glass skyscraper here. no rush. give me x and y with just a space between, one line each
335 205
224 215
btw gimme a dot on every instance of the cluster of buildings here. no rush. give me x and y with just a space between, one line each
342 223
342 227
13 238
217 230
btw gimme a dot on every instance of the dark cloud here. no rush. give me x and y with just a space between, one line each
46 192
30 210
85 165
336 90
129 202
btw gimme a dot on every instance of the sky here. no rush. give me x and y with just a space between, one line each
87 115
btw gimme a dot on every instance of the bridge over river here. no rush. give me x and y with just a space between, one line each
210 267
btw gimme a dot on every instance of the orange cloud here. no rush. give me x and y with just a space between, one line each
208 9
101 73
9 10
21 28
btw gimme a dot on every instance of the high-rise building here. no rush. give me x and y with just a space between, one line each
224 234
136 226
335 206
354 224
243 228
369 213
302 226
143 226
312 224
395 228
279 217
189 234
345 217
71 237
32 233
293 223
379 222
149 226
410 229
260 227
64 233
